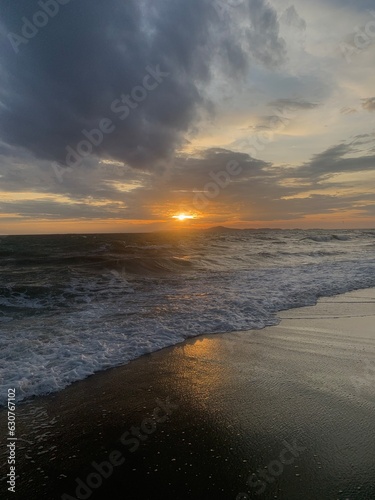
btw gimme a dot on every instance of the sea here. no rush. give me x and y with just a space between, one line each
73 305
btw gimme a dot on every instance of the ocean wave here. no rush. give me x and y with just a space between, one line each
111 326
324 238
71 306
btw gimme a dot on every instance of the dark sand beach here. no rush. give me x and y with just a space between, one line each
285 412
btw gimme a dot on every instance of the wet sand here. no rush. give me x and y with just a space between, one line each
285 412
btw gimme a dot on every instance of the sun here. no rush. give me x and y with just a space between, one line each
183 217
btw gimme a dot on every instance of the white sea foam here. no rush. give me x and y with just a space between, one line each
96 320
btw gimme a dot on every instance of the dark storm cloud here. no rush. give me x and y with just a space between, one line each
67 76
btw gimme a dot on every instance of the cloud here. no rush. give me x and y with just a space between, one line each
369 104
340 158
291 18
258 190
293 104
66 77
348 111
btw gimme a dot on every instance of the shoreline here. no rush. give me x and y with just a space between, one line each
197 419
278 315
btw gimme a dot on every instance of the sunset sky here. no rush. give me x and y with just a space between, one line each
141 115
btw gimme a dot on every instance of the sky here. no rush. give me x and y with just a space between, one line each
121 116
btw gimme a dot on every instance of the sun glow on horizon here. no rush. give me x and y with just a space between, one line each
182 217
